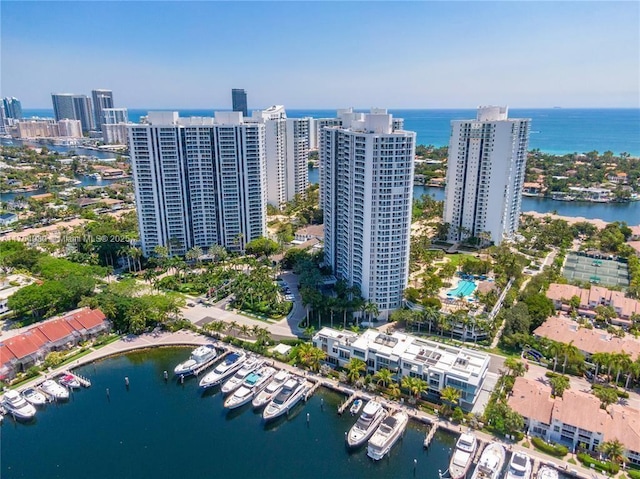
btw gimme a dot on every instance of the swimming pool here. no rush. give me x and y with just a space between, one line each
465 288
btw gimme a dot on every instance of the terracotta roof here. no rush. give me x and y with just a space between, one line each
88 318
5 354
532 400
580 410
22 346
56 330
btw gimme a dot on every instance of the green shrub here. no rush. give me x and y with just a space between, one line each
587 460
556 450
633 474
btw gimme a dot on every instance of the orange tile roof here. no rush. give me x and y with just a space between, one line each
532 400
56 330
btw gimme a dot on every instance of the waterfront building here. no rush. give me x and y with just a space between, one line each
440 365
575 418
485 175
287 153
198 181
70 128
101 99
73 107
114 125
12 108
366 178
239 100
42 128
3 120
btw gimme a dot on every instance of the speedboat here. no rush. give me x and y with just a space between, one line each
547 472
371 417
490 463
270 391
355 407
249 366
519 466
53 389
199 356
253 383
462 456
69 381
34 397
386 435
17 406
226 368
290 394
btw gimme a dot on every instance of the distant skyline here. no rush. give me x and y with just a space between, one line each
324 55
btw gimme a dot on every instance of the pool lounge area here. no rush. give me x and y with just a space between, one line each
465 289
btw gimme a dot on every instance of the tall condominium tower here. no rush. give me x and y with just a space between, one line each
114 125
239 100
198 181
73 107
486 168
366 195
12 108
101 99
287 153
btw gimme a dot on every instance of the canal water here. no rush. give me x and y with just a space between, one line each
158 429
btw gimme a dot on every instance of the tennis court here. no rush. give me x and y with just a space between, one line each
596 270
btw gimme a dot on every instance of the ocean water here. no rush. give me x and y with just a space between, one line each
158 429
553 130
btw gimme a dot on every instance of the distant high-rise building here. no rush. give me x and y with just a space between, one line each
287 153
70 128
101 99
485 174
12 108
239 100
366 195
73 107
114 125
198 181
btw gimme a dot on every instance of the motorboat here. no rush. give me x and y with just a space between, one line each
356 406
199 356
462 456
371 417
69 381
53 389
226 368
249 366
290 394
490 463
547 472
18 406
34 397
253 384
387 434
270 391
519 466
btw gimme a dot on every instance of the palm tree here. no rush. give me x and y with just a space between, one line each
370 308
308 331
418 387
244 330
394 390
633 371
407 382
516 368
600 359
383 377
559 384
431 315
354 367
613 450
622 363
233 326
556 349
450 396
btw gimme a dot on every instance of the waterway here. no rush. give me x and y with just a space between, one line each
158 429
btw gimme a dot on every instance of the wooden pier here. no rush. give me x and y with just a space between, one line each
347 402
535 467
311 389
84 382
209 363
432 432
481 445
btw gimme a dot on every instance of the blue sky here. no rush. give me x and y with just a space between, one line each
324 54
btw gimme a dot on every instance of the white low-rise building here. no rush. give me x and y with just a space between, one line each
440 365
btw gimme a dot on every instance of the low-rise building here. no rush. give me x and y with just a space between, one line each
575 418
7 219
309 232
440 365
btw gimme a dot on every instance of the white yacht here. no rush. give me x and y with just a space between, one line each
226 368
273 388
290 394
371 417
490 463
17 406
547 472
462 456
53 389
249 366
34 397
69 381
199 356
519 466
387 434
253 384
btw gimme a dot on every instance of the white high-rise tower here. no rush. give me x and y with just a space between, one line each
198 181
486 169
366 196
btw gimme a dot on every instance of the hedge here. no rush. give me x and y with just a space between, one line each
587 460
556 450
633 474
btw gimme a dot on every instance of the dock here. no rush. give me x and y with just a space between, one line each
84 382
209 363
481 445
535 467
347 402
312 389
430 434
